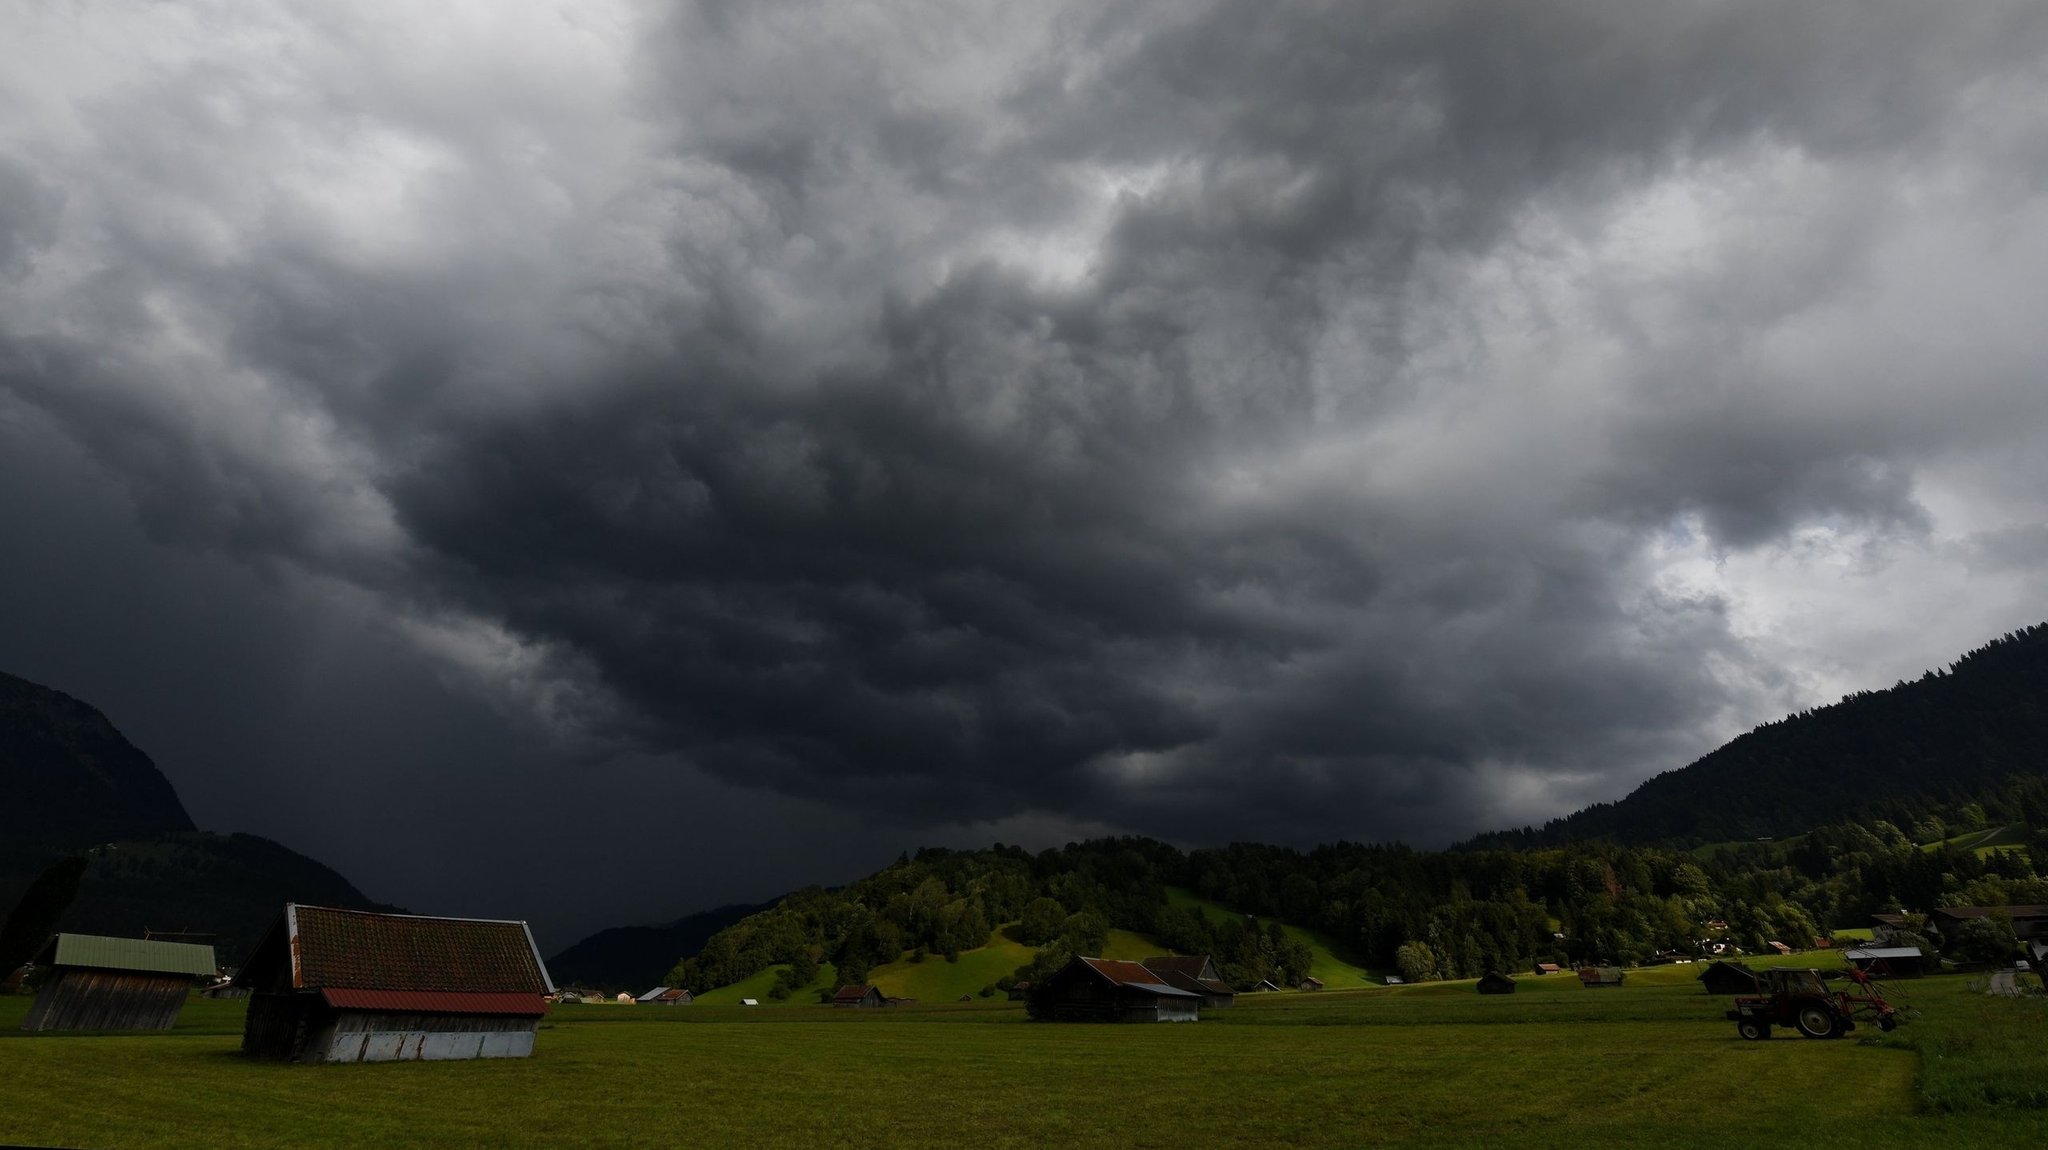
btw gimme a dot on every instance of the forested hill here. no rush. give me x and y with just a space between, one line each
1948 735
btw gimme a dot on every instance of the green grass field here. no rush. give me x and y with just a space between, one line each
1335 972
1650 1063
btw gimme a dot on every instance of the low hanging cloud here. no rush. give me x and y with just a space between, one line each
1217 420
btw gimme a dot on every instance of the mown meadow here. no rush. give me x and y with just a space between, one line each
1649 1064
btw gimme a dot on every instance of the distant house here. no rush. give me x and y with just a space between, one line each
1394 980
2029 922
1822 942
1265 984
1715 927
1107 990
1494 982
1019 991
1778 948
1548 968
667 996
98 983
1194 974
1728 978
1884 928
578 994
1600 976
750 1002
859 996
330 985
1886 961
1309 983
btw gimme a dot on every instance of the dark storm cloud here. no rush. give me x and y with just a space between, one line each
1218 421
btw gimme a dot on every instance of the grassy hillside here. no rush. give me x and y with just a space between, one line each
1335 972
758 986
936 980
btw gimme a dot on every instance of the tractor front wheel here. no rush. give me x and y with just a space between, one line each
1816 1021
1887 1023
1753 1030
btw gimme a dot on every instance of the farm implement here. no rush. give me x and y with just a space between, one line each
1802 1000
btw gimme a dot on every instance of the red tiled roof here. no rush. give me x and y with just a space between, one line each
1130 974
435 1001
361 950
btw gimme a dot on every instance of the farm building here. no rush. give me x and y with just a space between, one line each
1600 976
1309 983
1019 991
1728 978
1494 982
1194 974
1886 961
667 996
859 996
1886 927
1548 968
100 983
1778 947
1107 990
333 985
2028 922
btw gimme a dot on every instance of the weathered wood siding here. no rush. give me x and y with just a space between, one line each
80 999
299 1028
353 1036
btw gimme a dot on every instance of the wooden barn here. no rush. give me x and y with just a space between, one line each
100 983
1728 978
667 996
1194 974
332 985
1548 968
1494 982
1600 976
859 997
1107 990
1886 961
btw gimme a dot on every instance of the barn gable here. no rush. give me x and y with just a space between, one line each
1110 990
1194 974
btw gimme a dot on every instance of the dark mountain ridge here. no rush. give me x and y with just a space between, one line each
75 786
1949 734
70 775
636 958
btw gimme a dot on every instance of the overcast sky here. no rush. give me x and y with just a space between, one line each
590 461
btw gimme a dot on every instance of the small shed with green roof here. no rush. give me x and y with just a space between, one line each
99 983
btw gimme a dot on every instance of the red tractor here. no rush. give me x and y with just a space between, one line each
1799 998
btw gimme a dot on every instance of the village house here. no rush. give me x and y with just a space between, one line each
1548 968
1108 990
2029 922
98 983
1494 982
1194 974
1309 983
667 996
330 985
1886 928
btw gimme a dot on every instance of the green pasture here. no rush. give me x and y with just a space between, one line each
1651 1063
1335 972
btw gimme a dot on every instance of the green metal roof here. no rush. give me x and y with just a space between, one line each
102 953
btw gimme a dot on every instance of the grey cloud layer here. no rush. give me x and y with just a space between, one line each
1221 421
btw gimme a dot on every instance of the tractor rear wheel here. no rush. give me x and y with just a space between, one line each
1815 1021
1751 1029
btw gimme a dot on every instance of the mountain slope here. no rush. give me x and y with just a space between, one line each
73 785
638 957
72 778
1950 733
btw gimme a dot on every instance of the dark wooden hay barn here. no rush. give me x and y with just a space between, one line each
1494 982
1600 976
1195 974
1107 990
1728 978
859 996
333 985
100 983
